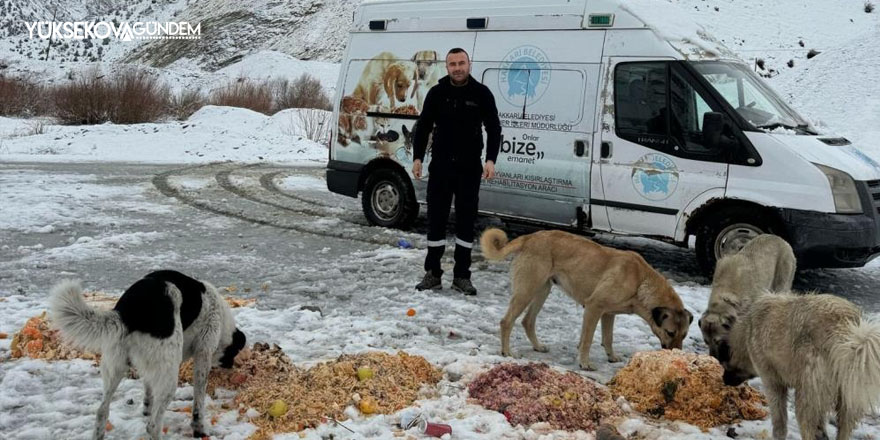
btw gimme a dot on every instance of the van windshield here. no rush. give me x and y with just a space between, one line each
751 97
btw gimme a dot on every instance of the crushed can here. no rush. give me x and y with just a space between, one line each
412 420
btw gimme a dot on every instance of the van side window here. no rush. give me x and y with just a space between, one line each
686 122
640 103
656 106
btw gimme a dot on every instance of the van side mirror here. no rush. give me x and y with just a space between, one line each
716 129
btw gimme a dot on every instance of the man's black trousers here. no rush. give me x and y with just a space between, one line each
443 186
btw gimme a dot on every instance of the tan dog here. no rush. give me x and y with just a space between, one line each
817 344
384 73
425 61
766 263
427 75
605 281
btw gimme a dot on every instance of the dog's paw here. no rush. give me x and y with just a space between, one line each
541 348
198 434
586 365
614 358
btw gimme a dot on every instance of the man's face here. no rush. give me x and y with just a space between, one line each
458 66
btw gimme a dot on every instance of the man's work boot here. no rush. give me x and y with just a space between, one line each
464 285
429 282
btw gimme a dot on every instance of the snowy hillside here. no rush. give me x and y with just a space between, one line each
834 87
230 30
837 87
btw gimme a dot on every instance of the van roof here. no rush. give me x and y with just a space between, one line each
667 21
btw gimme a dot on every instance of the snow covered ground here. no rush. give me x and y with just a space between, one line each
108 224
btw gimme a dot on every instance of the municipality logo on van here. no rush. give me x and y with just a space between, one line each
655 177
525 73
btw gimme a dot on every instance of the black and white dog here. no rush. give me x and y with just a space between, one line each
160 321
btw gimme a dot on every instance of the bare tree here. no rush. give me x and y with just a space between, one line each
314 124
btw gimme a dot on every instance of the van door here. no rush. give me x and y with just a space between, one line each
543 165
652 155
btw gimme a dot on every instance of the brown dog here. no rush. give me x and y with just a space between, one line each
383 73
605 281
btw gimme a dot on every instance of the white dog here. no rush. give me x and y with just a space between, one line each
427 75
160 321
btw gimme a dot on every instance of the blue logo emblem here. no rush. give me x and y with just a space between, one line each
655 177
524 74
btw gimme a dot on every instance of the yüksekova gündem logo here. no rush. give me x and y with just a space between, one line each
124 31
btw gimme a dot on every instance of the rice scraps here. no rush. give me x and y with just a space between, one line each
532 393
685 386
264 375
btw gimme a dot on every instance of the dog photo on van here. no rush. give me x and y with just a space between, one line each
766 263
160 321
606 281
385 77
428 73
819 345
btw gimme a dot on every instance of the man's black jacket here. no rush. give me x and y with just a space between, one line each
457 114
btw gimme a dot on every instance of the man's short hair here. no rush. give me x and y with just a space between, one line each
458 50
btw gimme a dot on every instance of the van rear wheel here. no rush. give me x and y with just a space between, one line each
725 234
388 200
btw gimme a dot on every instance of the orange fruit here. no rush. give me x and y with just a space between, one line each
411 312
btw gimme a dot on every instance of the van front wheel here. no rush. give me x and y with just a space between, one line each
725 234
388 200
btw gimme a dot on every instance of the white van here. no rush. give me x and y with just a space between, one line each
611 122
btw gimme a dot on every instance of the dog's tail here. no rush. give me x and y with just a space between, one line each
79 323
495 245
856 366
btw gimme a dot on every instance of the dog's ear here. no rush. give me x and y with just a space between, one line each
390 79
434 55
659 314
238 342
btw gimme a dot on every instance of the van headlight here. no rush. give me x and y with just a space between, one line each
846 197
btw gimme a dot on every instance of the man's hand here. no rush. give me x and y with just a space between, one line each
417 169
488 170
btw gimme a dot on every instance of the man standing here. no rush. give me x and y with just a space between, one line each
455 111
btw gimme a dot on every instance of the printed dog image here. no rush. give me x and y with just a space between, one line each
160 321
425 61
384 74
817 344
766 263
428 74
605 281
